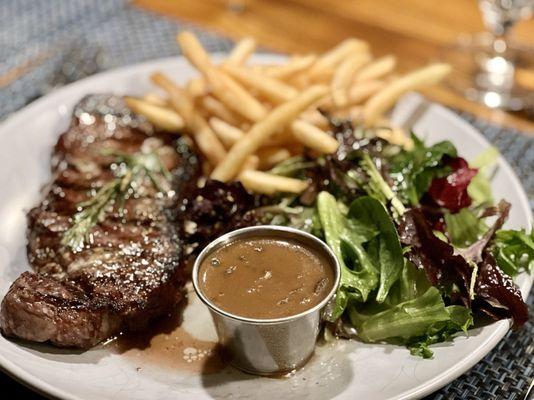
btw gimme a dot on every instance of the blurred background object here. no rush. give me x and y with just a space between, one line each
493 68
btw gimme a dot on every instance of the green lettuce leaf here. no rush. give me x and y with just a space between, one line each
358 274
414 314
514 251
464 228
460 319
369 214
414 170
479 188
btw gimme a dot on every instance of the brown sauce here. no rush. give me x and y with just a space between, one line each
265 278
168 345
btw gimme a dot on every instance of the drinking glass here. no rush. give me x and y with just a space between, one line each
490 67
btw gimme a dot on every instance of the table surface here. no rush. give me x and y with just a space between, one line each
416 31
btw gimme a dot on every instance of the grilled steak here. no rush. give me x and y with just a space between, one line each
130 271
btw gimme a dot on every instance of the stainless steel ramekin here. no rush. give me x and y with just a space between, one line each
268 346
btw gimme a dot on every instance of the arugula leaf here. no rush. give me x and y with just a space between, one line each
464 228
369 213
358 274
514 251
414 170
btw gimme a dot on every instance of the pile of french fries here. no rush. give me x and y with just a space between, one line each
245 117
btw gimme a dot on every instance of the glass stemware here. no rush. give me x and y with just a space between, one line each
492 69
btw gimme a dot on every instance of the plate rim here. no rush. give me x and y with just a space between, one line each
429 386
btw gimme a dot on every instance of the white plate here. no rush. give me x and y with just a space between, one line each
349 370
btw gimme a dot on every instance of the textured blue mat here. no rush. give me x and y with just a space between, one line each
58 41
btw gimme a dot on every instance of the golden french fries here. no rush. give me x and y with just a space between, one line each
294 66
332 58
160 116
362 91
263 182
385 98
377 69
245 118
156 99
251 163
228 134
277 119
214 107
241 52
273 89
343 76
270 156
313 137
223 87
204 137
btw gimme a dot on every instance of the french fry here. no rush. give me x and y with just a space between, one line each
276 120
206 140
197 87
395 136
275 90
379 103
363 90
316 118
376 69
215 107
223 87
294 66
270 156
156 99
241 52
343 76
228 134
313 137
162 117
251 163
263 182
333 57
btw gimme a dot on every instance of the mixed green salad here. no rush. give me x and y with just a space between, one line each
416 230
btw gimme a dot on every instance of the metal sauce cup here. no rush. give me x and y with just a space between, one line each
268 346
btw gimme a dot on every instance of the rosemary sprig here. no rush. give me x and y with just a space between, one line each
130 171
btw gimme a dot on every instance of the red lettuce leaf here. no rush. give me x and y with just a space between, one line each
451 191
495 293
448 271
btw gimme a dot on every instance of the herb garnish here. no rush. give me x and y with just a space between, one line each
130 170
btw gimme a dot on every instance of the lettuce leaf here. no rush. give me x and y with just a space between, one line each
414 170
480 187
370 213
464 228
414 315
514 251
359 276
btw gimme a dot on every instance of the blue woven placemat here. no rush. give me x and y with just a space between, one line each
44 44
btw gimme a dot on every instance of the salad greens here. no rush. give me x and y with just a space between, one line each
414 170
419 239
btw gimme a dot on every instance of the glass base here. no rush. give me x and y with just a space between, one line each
492 72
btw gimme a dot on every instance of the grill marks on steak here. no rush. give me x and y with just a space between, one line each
130 273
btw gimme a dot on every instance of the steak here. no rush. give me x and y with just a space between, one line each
130 271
